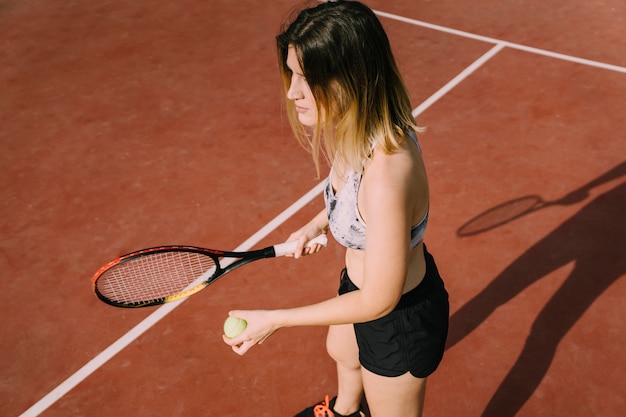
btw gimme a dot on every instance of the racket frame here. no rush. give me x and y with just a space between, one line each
233 261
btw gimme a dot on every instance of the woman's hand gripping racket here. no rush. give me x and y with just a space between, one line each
164 274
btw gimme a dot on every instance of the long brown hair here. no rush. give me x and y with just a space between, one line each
361 99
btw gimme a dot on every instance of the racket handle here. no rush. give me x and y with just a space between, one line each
288 248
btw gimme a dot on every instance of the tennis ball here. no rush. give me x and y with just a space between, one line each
233 326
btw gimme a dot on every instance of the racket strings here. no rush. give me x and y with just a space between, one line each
154 276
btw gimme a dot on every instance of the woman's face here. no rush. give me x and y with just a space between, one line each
300 92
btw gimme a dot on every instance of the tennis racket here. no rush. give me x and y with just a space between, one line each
164 274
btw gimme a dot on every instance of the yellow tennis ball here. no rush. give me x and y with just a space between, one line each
233 326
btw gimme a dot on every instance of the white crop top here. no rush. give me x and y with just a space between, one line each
344 219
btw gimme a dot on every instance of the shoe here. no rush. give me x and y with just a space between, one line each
325 409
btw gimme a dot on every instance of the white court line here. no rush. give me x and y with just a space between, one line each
564 57
458 79
143 326
530 49
438 28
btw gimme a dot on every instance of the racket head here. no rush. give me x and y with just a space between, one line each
155 276
501 214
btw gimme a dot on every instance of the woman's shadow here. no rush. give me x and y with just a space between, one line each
594 239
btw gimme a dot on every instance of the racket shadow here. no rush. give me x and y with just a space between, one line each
512 210
522 206
502 214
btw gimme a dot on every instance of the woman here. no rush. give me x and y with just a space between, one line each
388 325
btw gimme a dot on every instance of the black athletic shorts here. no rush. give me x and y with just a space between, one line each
412 337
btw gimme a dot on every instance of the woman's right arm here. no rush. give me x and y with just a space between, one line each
317 226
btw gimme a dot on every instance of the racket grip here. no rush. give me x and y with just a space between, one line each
288 248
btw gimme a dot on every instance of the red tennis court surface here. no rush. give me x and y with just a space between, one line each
131 124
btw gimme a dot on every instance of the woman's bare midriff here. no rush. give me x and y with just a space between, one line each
415 274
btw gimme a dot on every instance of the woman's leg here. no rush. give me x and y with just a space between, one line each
401 396
342 347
